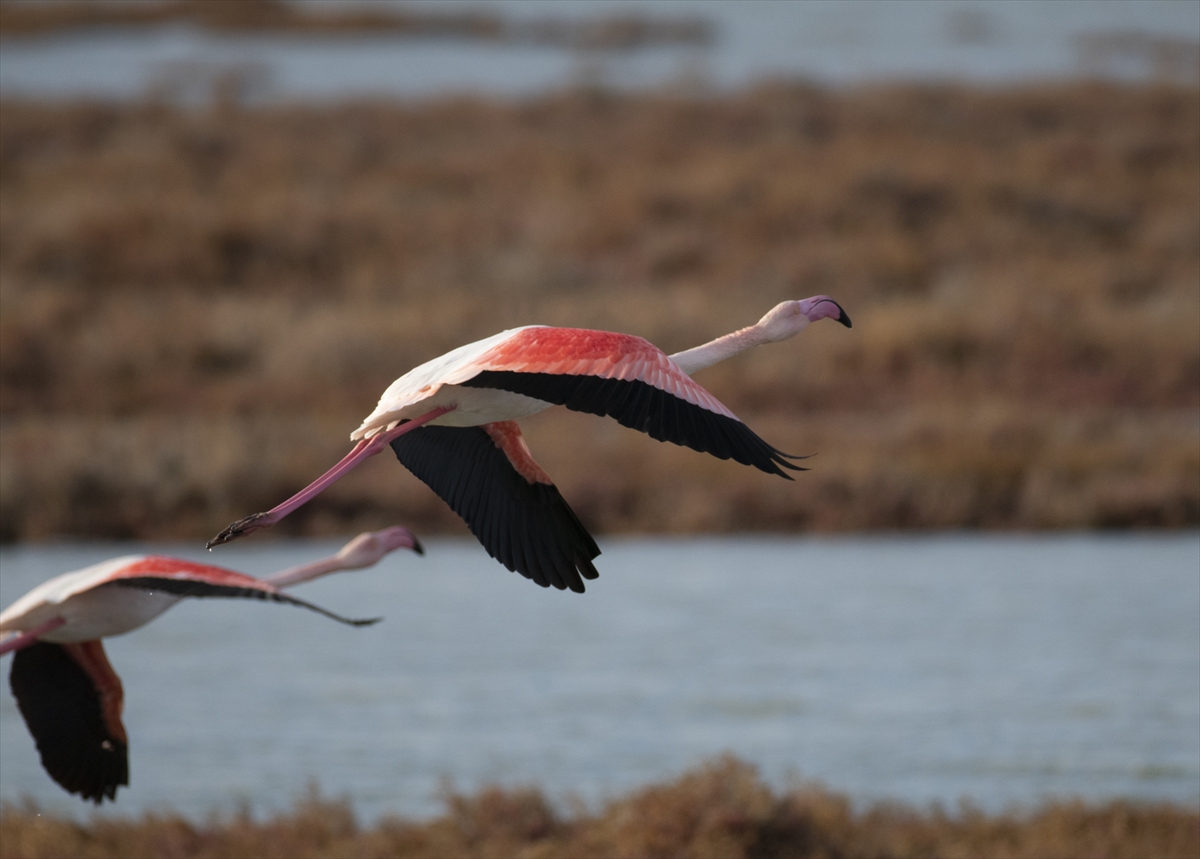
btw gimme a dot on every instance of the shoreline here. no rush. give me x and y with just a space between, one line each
722 808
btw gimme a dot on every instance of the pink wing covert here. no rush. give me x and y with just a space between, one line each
178 570
622 377
600 354
188 579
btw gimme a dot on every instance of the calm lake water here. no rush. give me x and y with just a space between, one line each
822 40
1003 668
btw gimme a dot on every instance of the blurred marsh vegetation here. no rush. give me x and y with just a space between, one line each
197 304
722 808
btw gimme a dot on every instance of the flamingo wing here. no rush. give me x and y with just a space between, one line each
628 379
187 579
71 701
487 477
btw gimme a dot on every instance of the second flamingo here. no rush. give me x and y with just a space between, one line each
452 422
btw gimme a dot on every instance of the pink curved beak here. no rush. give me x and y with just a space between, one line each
824 307
397 537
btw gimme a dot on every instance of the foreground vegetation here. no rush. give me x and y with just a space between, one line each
720 810
198 305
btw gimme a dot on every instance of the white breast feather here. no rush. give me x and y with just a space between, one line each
421 384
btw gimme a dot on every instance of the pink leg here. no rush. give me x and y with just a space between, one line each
27 638
364 449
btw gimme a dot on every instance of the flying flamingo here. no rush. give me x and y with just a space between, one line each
469 450
68 693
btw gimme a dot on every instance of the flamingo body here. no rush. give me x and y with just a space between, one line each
451 421
89 610
453 379
68 693
475 458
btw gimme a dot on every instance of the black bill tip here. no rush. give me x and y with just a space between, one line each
242 526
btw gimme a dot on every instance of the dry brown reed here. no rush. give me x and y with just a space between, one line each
198 305
722 809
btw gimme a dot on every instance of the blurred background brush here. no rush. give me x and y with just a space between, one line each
202 293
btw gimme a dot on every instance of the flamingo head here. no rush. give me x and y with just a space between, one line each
789 318
366 549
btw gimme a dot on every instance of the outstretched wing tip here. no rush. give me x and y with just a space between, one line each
795 455
526 526
252 589
64 712
639 405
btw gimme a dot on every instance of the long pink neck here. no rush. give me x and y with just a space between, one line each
718 350
306 572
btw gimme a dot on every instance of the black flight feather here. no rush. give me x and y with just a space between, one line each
526 526
643 407
61 707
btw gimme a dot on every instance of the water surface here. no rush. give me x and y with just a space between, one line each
1002 668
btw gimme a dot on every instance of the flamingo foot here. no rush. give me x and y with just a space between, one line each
242 527
30 636
366 447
